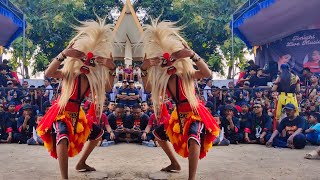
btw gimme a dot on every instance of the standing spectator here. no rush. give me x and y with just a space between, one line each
231 125
49 90
258 127
207 90
293 126
305 79
133 94
313 133
25 90
25 125
312 89
3 78
261 80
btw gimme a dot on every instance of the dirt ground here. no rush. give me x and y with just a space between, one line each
130 161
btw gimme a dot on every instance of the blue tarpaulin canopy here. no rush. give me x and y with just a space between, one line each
11 23
259 22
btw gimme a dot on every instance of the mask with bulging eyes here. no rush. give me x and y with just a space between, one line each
89 60
167 60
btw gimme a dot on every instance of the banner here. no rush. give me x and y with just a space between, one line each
299 50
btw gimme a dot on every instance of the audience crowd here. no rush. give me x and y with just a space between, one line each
244 110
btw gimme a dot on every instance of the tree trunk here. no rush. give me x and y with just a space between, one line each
26 72
230 72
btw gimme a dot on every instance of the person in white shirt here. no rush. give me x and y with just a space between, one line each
119 73
49 90
207 90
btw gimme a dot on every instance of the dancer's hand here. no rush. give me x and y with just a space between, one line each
108 62
149 62
73 53
183 53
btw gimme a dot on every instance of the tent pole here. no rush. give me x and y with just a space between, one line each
232 51
24 46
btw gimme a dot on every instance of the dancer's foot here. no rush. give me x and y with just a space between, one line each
172 168
84 167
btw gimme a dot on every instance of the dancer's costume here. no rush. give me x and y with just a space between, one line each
287 97
190 119
66 118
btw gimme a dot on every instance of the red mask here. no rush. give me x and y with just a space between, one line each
88 61
168 61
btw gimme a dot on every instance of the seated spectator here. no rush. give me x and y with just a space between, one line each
245 116
110 107
221 139
293 126
3 77
145 108
136 74
132 94
27 100
11 115
119 73
137 123
313 133
209 105
231 125
115 127
46 106
35 139
6 127
240 97
122 93
25 125
258 127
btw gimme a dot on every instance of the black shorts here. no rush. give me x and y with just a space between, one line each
60 130
195 132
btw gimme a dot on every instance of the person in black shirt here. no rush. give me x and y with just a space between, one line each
6 127
116 121
137 123
293 126
258 127
25 125
230 125
12 116
245 116
132 94
261 80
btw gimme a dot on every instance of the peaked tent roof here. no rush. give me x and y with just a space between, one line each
259 22
12 19
128 28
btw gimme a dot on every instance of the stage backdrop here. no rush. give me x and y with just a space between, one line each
300 50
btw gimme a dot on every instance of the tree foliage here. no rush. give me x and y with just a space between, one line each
205 22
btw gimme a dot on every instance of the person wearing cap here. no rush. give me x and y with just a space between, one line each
25 125
11 115
293 125
258 127
133 94
287 84
231 125
313 133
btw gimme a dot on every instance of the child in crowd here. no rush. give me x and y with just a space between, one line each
221 140
313 133
35 139
231 125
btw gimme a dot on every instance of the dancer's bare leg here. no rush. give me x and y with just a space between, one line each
82 166
62 153
174 166
194 152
